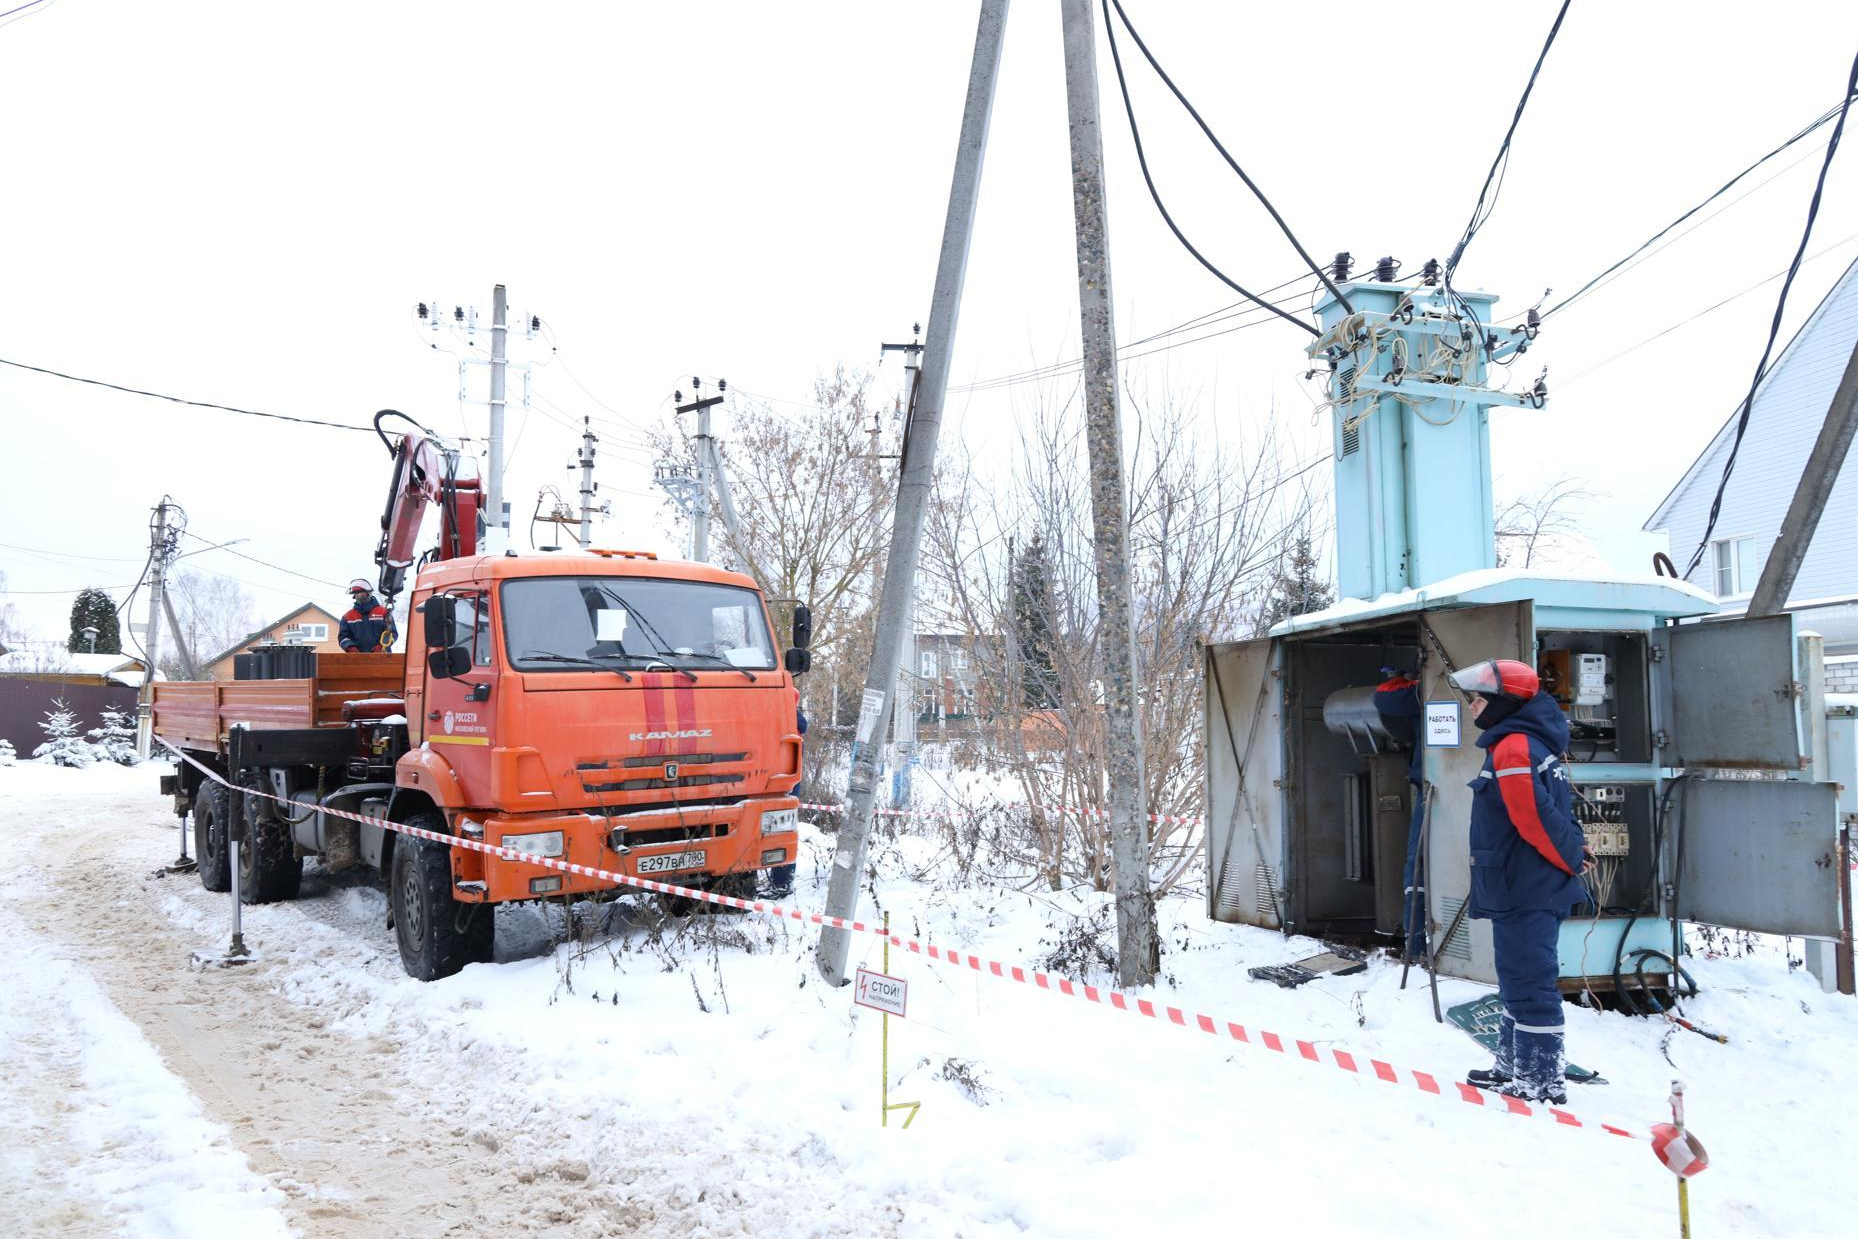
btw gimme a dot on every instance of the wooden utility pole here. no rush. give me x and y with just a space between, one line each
1809 497
1137 944
915 479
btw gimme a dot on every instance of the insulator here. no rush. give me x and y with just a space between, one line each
1429 274
458 314
423 310
1338 270
1386 269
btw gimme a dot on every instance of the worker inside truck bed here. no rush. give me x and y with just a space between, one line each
368 627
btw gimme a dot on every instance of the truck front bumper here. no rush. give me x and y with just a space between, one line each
680 847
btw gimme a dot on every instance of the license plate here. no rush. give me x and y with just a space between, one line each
666 862
775 821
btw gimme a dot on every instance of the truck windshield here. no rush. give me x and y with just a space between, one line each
633 622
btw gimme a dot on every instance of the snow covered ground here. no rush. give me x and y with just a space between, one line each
631 1073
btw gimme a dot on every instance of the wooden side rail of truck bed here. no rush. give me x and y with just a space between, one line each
197 714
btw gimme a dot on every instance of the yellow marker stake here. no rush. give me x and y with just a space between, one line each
911 1106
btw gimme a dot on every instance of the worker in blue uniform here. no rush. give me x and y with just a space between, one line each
1396 700
1527 858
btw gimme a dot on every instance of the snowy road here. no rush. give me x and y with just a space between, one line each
689 1077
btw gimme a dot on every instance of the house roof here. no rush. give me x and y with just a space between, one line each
1698 467
49 658
252 636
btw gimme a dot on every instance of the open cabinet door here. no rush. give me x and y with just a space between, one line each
1464 635
1759 854
1727 693
1244 737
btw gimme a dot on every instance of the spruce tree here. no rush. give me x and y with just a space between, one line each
1030 582
1298 589
93 609
63 746
115 740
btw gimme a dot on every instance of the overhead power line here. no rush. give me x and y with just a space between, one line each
1774 326
1584 289
198 404
216 546
1219 146
1141 159
1493 184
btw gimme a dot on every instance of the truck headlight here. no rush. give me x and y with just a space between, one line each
542 843
774 821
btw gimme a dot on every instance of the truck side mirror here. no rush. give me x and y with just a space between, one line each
441 621
448 662
799 661
803 626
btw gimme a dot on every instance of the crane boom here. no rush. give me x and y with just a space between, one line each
425 472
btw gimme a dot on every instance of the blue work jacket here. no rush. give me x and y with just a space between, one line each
1525 843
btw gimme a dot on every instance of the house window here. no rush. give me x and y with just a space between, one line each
1738 566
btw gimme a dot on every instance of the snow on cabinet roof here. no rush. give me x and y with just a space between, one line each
1659 594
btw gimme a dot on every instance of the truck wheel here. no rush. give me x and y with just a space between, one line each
269 869
437 934
210 837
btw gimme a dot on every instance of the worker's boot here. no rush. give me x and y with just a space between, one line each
1540 1068
1504 1069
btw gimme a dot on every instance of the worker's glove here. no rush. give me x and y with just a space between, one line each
1587 860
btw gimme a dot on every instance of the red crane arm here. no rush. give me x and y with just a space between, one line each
425 473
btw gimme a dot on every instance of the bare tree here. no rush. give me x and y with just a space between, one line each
1542 523
814 506
1207 524
12 628
215 613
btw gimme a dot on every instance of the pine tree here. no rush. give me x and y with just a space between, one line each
63 746
1298 589
115 740
7 755
93 609
1031 586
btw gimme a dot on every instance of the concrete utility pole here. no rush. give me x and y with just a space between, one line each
160 548
499 350
1809 497
180 642
1137 946
586 459
913 485
694 497
903 721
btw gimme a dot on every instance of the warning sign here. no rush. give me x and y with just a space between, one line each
880 992
1442 725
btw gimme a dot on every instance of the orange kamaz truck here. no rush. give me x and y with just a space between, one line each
603 707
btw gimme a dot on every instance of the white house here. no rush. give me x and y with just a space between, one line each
1790 406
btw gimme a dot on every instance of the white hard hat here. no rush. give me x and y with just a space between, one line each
359 584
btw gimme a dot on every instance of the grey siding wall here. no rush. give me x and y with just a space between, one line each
1788 413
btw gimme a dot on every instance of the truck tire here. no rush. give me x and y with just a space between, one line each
437 935
210 837
269 869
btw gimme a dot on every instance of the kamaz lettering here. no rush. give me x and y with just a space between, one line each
672 735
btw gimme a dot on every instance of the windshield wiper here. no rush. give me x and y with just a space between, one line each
663 658
545 656
719 658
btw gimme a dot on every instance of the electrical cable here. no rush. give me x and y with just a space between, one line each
211 546
1774 327
198 404
1481 213
1219 146
1726 186
1141 158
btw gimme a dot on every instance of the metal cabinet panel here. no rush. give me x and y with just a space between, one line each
1727 693
1759 854
1244 736
1465 636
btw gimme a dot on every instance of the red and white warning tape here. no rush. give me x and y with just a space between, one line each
1167 818
1306 1051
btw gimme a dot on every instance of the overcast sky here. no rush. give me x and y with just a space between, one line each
242 202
